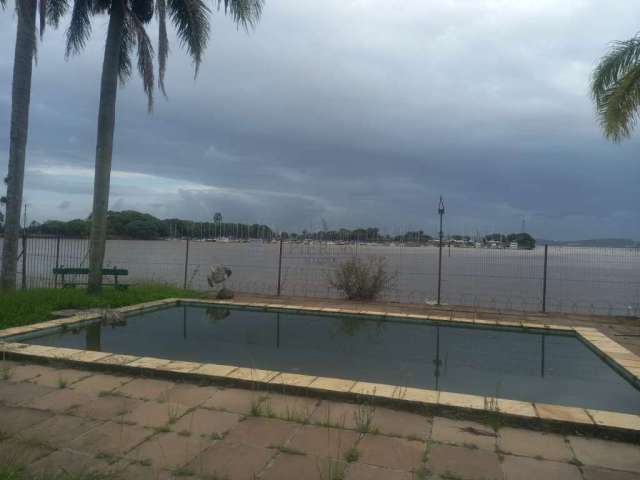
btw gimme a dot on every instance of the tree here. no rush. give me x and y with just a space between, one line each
49 11
615 88
127 31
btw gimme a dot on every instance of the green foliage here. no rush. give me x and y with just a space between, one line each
360 279
30 306
615 88
524 239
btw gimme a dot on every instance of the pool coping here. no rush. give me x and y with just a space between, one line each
623 360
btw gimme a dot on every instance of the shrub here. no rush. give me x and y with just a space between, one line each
360 279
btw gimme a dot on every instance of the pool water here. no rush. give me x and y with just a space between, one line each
536 367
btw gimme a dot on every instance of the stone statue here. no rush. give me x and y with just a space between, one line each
216 277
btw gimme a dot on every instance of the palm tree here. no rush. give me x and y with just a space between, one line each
49 11
126 32
615 88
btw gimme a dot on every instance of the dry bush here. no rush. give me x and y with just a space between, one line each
360 279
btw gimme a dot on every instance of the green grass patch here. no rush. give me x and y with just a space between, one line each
24 307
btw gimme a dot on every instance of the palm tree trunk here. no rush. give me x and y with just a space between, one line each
104 146
20 99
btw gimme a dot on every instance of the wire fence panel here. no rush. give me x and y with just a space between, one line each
588 280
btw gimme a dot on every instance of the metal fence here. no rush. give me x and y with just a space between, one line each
556 279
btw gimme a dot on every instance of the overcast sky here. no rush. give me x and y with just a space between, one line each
358 112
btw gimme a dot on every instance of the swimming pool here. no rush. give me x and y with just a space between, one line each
531 365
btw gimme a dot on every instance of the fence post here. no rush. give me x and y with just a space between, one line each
280 265
186 264
544 279
55 276
24 259
441 213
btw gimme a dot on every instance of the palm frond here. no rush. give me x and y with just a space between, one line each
246 13
3 4
42 14
127 43
80 26
163 43
614 87
56 9
618 106
191 20
145 56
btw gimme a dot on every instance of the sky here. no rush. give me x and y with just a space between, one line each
351 112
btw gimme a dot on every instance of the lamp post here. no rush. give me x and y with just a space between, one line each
441 213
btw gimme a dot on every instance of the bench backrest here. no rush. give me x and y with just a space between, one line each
85 271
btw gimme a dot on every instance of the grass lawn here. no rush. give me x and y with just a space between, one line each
30 306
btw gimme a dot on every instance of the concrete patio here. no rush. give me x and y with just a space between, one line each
55 418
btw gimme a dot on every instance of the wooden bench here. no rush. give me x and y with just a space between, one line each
114 272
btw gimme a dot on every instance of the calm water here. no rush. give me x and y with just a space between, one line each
525 366
587 280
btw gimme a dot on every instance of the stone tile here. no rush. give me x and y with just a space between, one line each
110 438
61 400
58 430
360 471
338 414
375 389
305 467
213 370
89 356
562 413
180 367
154 415
141 472
252 374
332 384
515 407
463 433
391 452
293 379
117 360
289 407
22 393
236 461
168 450
323 441
188 395
529 443
148 362
15 419
261 432
592 473
606 454
60 378
419 395
208 423
617 420
233 400
21 373
64 463
107 407
403 424
464 463
461 400
100 382
17 452
522 468
146 388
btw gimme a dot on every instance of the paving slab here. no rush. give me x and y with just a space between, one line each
58 431
207 423
142 472
360 471
262 432
188 394
464 463
563 414
529 443
22 393
17 452
463 433
235 460
21 373
168 450
16 419
340 414
606 454
391 452
100 383
290 407
64 463
110 438
107 407
154 414
593 473
523 468
145 388
323 441
60 378
307 467
234 400
61 400
403 424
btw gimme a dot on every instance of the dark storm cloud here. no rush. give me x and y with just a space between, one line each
358 112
